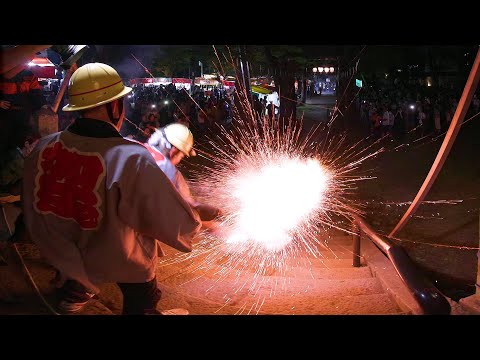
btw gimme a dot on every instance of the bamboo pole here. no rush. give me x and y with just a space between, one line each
63 87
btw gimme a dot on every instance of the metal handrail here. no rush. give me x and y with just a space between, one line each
427 296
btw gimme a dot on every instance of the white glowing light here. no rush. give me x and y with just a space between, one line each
276 198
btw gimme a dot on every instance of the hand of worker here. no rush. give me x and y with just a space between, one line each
4 104
208 212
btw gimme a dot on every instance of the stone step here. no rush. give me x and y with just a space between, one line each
291 267
321 263
329 273
372 304
248 290
369 304
173 298
226 274
221 262
333 252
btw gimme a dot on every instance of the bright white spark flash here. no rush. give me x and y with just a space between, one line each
274 199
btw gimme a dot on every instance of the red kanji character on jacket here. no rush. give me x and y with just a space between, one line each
67 184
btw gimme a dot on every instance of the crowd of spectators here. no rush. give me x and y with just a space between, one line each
154 106
405 111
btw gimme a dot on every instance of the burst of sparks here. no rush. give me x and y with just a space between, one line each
280 190
276 189
280 195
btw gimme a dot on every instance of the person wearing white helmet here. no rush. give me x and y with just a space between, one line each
169 145
96 203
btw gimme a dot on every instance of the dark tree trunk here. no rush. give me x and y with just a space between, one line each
304 86
245 68
284 75
286 88
242 98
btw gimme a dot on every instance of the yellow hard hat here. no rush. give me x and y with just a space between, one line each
181 137
93 85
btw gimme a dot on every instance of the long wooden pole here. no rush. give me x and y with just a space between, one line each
447 144
63 87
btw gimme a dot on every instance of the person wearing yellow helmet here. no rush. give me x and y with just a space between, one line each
93 201
169 145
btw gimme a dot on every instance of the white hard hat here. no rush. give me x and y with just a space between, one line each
181 137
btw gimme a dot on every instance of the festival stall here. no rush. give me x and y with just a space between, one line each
229 85
269 92
182 83
42 68
150 81
207 84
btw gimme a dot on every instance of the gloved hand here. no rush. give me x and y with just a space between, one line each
207 212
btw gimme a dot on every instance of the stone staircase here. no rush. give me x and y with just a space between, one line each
327 285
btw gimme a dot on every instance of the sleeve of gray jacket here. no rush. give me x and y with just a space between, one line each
150 204
183 188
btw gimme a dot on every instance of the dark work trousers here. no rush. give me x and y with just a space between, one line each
138 298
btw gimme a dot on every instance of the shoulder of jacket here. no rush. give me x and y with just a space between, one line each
135 147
